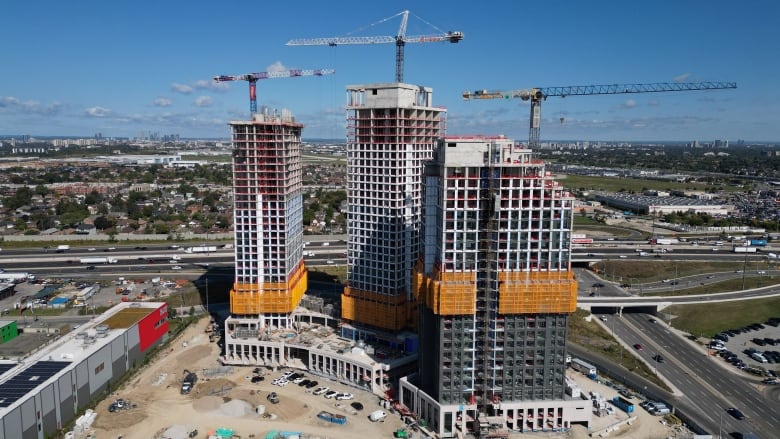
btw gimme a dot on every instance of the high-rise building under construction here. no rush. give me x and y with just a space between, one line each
270 275
391 132
495 288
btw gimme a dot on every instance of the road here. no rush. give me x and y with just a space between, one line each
707 386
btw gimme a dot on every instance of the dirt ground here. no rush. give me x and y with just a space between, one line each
230 401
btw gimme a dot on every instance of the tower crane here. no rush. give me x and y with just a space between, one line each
400 41
252 78
539 94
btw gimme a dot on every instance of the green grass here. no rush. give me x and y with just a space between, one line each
722 287
615 184
656 270
709 319
580 220
591 336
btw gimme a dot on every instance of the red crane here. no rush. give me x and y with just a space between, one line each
252 78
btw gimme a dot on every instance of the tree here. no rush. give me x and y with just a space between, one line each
102 223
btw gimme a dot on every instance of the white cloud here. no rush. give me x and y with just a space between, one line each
181 88
681 78
162 102
98 112
628 104
276 67
208 84
29 107
204 101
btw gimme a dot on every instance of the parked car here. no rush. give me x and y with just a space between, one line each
344 396
321 390
331 394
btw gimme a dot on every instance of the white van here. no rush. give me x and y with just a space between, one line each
377 416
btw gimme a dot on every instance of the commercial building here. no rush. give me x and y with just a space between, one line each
391 132
658 205
270 275
495 288
50 388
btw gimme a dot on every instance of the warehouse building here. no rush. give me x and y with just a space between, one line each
44 392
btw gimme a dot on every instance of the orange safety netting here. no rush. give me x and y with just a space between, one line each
269 297
524 292
446 293
380 310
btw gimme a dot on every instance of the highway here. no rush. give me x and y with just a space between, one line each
707 387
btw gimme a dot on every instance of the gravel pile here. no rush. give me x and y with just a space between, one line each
236 408
177 432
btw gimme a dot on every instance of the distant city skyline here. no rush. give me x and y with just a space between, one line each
120 69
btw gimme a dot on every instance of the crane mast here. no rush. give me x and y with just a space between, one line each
538 94
400 40
252 78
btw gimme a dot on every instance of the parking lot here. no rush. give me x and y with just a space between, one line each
754 348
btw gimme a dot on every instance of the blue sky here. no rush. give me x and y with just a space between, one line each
124 68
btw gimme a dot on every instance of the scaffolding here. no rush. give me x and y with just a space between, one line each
531 292
269 297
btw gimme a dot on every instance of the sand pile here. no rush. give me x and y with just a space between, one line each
236 408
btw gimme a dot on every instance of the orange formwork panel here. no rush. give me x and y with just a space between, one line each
387 312
531 292
269 297
447 293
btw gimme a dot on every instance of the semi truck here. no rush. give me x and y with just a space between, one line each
758 242
98 260
201 249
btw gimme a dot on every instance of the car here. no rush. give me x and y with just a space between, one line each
653 321
298 380
638 347
257 370
91 249
176 267
257 379
603 318
735 413
658 358
344 396
623 257
598 285
173 247
90 267
303 383
311 384
321 390
282 383
357 406
273 398
287 374
331 394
